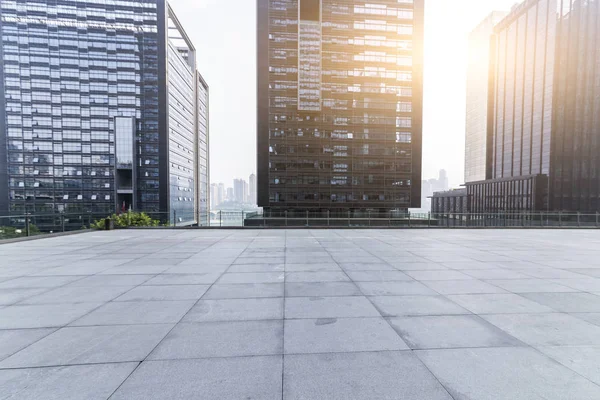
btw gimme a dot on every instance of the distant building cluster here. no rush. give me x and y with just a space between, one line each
242 193
533 134
102 110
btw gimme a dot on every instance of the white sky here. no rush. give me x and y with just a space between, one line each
224 33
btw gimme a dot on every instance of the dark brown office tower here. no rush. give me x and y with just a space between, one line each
340 87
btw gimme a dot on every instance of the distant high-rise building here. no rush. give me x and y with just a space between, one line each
240 190
214 196
230 196
477 94
252 190
430 186
221 193
544 138
340 104
100 104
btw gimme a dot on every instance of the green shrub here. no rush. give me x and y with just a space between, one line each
10 232
128 219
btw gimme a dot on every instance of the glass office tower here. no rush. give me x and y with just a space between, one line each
339 104
97 108
478 72
544 137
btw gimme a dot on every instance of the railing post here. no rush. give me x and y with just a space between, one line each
286 220
307 224
429 219
89 220
409 221
542 219
328 215
560 218
220 219
579 219
242 218
348 217
175 218
62 221
369 217
27 227
597 214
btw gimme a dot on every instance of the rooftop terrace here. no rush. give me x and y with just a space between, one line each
302 314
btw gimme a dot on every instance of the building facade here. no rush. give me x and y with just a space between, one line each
575 146
478 72
450 201
339 104
544 137
97 109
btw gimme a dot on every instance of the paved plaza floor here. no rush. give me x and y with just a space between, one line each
302 314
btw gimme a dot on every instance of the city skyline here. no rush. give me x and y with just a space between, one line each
444 112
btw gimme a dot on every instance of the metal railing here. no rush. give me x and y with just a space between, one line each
29 224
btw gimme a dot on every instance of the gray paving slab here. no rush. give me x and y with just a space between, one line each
111 280
12 296
221 339
340 335
444 275
12 341
43 316
90 345
78 294
451 331
592 318
581 359
164 292
321 289
567 302
547 329
208 379
184 279
391 306
254 277
256 268
325 276
244 291
378 276
508 303
90 382
358 376
506 373
467 286
530 286
236 310
38 282
399 288
356 266
136 312
329 307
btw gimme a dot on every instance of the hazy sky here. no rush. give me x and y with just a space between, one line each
224 33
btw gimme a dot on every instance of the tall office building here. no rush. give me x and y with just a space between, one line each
214 193
240 190
252 189
339 104
100 104
544 138
221 193
477 95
